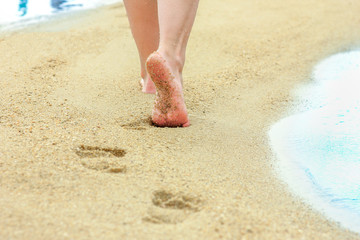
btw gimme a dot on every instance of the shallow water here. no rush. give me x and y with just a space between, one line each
319 148
15 13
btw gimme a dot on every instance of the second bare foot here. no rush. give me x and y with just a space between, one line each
147 86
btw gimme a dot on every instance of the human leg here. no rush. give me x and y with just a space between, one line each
143 18
176 18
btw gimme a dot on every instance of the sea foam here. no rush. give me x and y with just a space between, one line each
318 149
20 13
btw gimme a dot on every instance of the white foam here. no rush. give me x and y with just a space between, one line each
319 149
39 10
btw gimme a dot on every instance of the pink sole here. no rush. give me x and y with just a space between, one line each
169 109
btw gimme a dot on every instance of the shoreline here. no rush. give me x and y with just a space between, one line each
23 23
316 146
71 103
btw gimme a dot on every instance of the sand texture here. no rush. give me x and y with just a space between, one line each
79 159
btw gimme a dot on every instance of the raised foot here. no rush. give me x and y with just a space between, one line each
169 108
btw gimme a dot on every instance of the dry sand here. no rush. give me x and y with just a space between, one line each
79 160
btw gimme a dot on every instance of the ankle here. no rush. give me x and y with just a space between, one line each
175 60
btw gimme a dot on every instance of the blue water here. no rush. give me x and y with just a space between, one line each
15 13
319 148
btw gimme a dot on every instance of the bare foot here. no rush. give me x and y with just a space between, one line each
147 86
169 109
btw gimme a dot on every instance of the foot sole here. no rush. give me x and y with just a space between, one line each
169 108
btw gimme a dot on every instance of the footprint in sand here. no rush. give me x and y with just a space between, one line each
101 159
49 64
171 207
141 124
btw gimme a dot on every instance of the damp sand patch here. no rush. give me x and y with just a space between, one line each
318 149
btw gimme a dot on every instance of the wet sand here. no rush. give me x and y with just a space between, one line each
79 160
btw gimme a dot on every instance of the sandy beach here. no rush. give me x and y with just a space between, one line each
79 159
